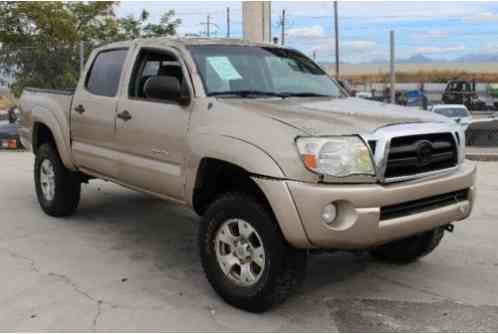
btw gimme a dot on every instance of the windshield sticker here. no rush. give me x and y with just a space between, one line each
224 68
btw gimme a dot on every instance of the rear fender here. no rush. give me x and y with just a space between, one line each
60 132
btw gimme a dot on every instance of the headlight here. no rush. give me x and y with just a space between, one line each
336 156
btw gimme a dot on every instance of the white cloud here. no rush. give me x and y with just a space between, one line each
351 51
489 48
439 50
358 46
482 17
432 34
347 47
306 32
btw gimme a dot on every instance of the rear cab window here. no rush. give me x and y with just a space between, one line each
104 75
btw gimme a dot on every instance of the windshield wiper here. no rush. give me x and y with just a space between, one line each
304 94
247 93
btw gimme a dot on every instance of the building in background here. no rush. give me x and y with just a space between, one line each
256 21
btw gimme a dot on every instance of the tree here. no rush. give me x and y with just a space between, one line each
166 27
39 41
132 27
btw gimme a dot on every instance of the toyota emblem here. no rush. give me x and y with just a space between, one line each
424 152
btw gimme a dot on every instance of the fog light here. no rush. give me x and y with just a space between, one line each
329 213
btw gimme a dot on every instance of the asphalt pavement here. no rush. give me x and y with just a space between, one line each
129 262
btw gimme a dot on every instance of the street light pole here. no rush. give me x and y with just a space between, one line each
336 24
282 23
208 26
392 70
228 22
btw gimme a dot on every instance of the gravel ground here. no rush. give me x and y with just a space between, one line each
127 261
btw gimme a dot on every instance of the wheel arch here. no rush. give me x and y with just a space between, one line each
247 158
215 177
47 128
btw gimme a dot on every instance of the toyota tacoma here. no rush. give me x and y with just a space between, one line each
268 149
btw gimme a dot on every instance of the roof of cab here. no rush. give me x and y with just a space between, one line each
184 42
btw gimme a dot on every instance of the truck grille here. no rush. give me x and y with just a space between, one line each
411 155
421 205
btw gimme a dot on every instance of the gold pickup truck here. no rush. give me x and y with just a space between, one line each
260 142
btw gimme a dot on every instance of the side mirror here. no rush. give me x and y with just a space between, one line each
164 87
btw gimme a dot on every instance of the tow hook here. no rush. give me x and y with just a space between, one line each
449 227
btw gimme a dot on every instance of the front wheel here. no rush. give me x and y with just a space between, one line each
409 249
57 188
245 256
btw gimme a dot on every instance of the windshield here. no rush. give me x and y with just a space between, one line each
259 71
452 112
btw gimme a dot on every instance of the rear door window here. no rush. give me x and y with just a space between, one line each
105 73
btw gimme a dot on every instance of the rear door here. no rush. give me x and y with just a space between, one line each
93 115
151 138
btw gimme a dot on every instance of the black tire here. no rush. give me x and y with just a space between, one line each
285 266
67 184
409 249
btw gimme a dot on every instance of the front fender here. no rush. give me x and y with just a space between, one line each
230 149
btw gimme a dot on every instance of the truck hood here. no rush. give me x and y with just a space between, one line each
337 116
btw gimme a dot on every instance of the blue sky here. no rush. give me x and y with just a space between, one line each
440 30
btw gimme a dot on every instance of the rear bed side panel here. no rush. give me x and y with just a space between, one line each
52 110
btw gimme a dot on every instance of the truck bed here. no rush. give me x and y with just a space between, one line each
51 105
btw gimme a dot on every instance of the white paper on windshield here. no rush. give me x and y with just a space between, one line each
224 68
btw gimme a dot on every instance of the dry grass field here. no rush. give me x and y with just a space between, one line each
434 72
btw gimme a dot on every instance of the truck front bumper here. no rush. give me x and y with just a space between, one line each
369 214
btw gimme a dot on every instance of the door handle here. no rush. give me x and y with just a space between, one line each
124 115
79 109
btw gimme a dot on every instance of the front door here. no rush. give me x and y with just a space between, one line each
151 134
93 115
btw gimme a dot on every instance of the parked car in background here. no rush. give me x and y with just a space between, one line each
463 92
364 95
492 90
457 112
413 98
9 138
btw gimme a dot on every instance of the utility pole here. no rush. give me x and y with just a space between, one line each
228 22
282 23
392 70
336 24
208 26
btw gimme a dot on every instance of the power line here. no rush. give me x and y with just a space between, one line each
208 25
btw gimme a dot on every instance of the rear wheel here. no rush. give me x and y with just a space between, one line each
245 256
409 249
57 188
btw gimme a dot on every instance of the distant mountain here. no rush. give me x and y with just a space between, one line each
478 58
378 60
416 59
422 59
